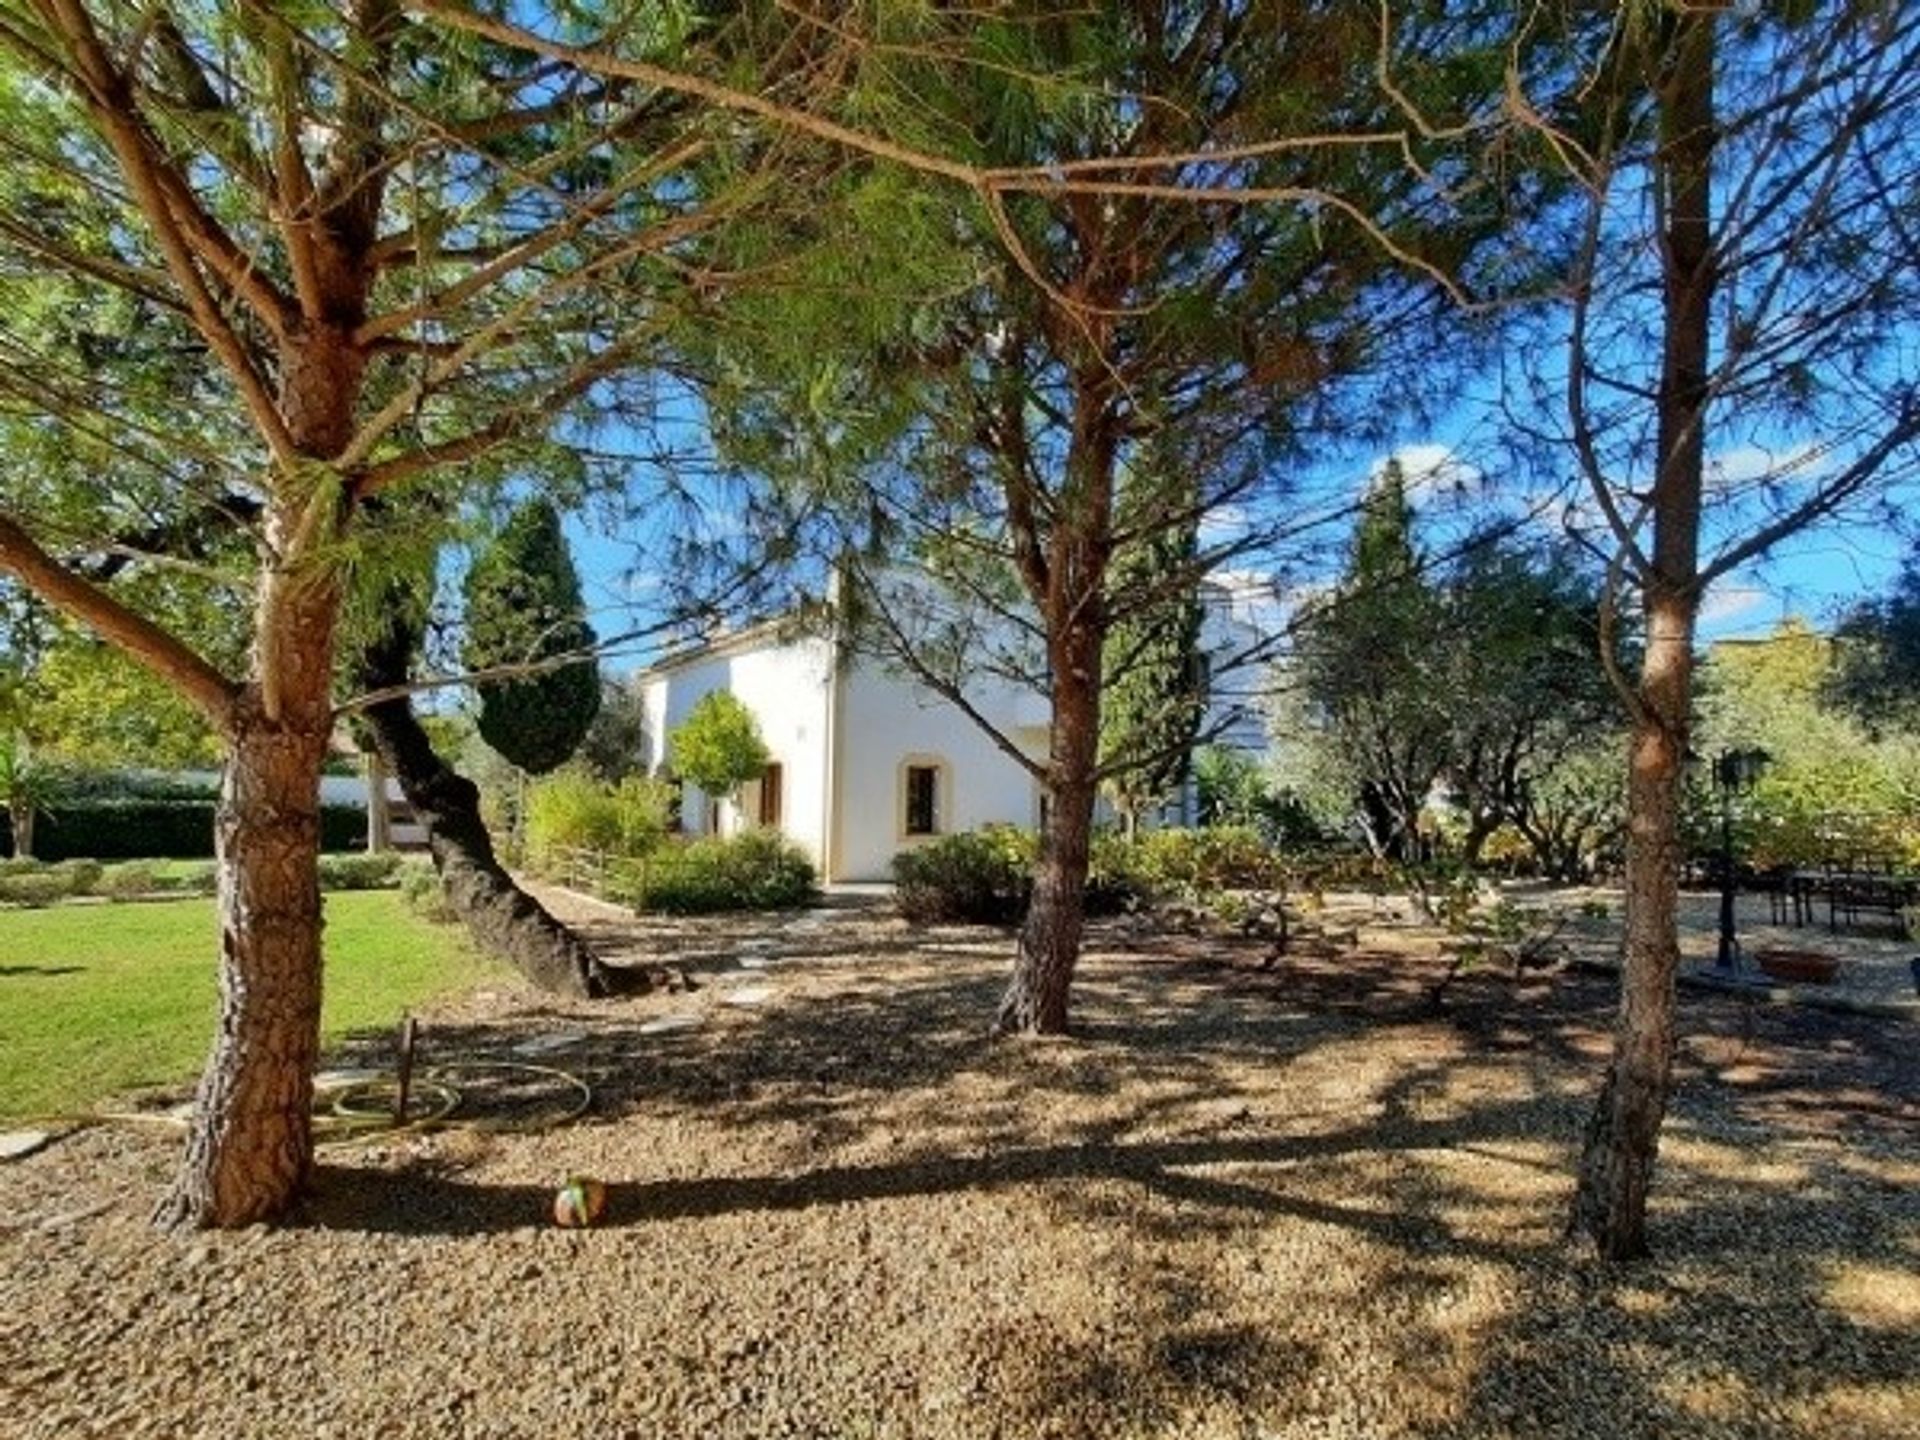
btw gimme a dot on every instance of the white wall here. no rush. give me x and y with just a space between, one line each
887 722
786 686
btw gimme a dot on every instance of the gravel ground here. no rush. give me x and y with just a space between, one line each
1240 1202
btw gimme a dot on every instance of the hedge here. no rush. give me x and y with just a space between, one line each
158 829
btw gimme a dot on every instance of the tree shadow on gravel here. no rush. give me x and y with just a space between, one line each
424 1200
1773 1307
1179 1043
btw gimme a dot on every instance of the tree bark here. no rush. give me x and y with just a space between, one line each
503 919
1622 1139
21 813
251 1143
1036 1001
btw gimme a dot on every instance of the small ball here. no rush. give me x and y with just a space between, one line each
581 1202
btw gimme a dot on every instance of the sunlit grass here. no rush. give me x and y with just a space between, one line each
98 999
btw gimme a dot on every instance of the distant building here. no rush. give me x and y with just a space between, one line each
867 762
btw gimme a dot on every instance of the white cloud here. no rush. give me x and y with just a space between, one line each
1726 602
1744 464
1432 470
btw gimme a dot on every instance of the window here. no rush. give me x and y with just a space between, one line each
770 797
923 800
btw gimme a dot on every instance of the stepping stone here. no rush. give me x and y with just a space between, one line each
547 1044
18 1144
748 995
668 1024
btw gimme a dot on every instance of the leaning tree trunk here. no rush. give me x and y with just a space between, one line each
251 1142
503 919
1049 947
1616 1163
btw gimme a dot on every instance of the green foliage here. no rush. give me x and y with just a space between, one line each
152 827
1154 689
1368 722
572 810
86 705
615 744
423 893
976 877
718 746
524 608
44 888
130 880
1831 791
359 872
1484 672
1236 789
1187 864
1876 671
758 870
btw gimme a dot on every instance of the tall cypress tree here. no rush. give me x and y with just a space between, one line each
523 609
1155 685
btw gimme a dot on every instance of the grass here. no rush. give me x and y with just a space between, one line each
99 999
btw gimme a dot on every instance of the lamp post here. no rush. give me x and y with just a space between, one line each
1734 773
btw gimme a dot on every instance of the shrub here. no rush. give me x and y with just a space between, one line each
982 877
358 872
79 876
41 888
985 877
760 870
1185 864
421 890
130 879
572 810
161 828
196 879
21 865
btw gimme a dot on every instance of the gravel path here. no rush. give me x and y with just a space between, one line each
1290 1202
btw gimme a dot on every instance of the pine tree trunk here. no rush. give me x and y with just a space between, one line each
503 919
1036 1002
1622 1140
251 1142
21 814
1623 1136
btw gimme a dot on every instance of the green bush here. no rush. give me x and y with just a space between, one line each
40 888
980 877
196 879
358 872
573 811
985 877
129 879
760 870
423 893
21 865
1183 864
79 876
160 828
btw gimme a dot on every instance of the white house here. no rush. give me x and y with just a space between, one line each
867 762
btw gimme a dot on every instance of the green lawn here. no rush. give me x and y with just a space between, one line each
96 999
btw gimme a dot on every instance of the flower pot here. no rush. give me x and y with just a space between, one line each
1807 967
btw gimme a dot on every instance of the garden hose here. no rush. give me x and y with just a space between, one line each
357 1110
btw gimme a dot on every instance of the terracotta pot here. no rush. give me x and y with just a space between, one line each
1802 966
